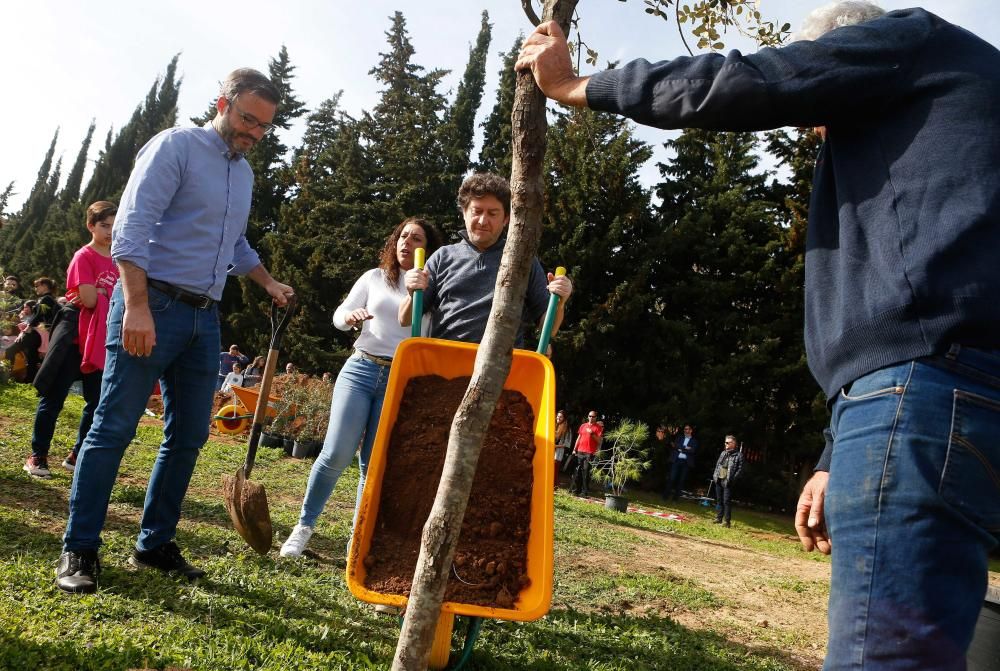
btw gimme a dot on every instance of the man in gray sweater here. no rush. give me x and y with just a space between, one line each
458 279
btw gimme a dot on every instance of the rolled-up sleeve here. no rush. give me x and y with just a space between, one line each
245 258
151 187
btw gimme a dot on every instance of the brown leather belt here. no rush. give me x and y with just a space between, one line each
195 300
374 359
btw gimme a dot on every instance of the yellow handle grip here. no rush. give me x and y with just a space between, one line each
418 258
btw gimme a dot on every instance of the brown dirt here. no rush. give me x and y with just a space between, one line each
768 602
489 568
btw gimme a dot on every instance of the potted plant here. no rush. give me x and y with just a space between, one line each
623 457
311 398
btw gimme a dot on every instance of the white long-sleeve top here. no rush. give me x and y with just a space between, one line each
381 334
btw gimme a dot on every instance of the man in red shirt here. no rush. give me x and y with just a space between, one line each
588 441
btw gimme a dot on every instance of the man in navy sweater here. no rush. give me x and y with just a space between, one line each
902 298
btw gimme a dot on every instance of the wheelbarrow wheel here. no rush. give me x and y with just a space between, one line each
228 420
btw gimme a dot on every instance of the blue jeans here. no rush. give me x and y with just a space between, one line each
913 509
354 412
185 361
51 404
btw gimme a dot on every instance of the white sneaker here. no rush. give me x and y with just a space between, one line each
296 541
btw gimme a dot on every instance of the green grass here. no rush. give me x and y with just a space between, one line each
267 613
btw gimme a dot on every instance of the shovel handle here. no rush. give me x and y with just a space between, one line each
550 318
418 295
278 326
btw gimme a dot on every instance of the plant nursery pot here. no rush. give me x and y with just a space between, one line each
617 503
288 444
300 449
270 440
312 447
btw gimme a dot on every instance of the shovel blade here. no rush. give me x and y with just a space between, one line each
246 503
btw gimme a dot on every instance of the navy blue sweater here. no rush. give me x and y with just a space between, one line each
904 225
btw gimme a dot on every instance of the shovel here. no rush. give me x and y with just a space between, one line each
246 502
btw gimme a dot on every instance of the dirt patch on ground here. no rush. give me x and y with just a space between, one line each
768 602
491 557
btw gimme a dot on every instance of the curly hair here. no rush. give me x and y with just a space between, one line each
480 184
388 261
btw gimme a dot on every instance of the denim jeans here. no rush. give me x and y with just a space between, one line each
678 473
723 500
51 404
913 509
354 412
185 361
580 484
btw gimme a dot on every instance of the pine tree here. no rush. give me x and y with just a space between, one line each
494 156
18 237
402 135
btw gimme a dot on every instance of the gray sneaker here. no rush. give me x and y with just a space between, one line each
37 467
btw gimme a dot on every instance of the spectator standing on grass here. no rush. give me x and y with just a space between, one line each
728 468
76 347
371 307
563 442
588 441
902 322
685 448
180 232
47 305
226 361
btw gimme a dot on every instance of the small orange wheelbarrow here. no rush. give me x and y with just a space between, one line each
236 417
532 374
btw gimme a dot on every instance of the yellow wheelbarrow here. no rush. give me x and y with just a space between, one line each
531 374
236 417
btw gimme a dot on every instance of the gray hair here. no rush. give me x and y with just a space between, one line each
248 80
835 15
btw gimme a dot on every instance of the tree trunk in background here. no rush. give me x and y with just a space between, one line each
444 524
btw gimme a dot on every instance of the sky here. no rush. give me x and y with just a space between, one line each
66 62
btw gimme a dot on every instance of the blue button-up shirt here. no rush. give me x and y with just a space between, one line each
183 216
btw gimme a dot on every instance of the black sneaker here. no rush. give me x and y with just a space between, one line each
78 571
166 558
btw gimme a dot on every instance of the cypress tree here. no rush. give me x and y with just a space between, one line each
495 154
460 121
157 112
71 192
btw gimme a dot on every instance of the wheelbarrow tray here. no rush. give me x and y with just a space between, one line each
248 397
532 375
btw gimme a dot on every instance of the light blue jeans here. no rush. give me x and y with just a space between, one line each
354 412
913 510
185 361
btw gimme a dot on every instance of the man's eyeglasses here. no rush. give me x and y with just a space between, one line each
250 121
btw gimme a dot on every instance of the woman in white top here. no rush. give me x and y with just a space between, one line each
372 305
234 378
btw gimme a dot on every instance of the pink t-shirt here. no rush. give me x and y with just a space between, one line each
90 267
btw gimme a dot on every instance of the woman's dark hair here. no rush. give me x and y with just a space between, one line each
99 211
387 259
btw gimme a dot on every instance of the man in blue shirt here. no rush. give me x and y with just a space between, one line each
180 231
902 320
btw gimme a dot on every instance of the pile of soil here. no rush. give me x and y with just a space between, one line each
491 558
